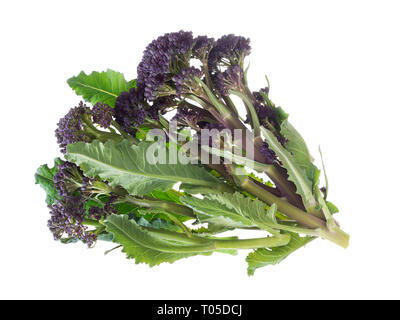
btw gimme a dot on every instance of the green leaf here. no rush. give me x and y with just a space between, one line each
214 213
132 83
108 237
332 208
226 210
126 165
68 240
169 195
267 183
143 246
231 210
44 177
155 213
264 257
325 175
125 208
251 210
157 223
296 171
299 150
280 114
296 144
102 87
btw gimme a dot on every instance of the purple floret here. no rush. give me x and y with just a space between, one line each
67 216
69 213
228 50
202 47
184 81
257 95
159 56
187 116
263 112
98 213
269 154
159 105
129 110
68 179
70 127
102 114
230 79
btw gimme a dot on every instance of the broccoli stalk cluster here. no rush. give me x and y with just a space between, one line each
191 81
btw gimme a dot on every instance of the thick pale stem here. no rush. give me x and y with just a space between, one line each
268 242
199 244
337 236
98 134
165 205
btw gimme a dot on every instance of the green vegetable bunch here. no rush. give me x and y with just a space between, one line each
164 164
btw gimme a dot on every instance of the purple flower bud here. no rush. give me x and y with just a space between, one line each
102 114
228 50
230 79
68 179
66 218
263 112
187 116
70 128
129 110
158 58
185 82
202 47
269 154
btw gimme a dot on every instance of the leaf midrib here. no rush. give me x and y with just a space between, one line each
154 176
95 88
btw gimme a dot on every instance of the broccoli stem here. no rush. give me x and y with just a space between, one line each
123 133
333 234
98 134
171 207
201 244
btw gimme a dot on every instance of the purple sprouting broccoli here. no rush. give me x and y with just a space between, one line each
71 128
202 47
67 218
69 179
230 79
130 109
167 54
229 50
78 125
185 82
102 114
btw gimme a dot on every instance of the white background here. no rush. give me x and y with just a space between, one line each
333 65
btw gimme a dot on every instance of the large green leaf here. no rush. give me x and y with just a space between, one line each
102 87
231 210
127 165
299 150
297 174
143 246
44 177
211 211
236 210
264 257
